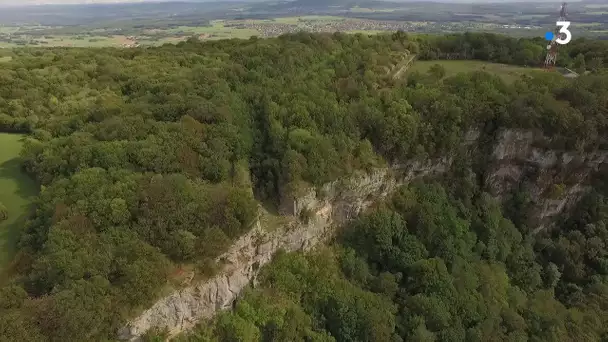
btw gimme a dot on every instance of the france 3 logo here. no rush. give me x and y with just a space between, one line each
564 36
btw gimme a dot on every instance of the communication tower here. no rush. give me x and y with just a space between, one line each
552 47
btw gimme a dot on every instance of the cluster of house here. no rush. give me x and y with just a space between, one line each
271 29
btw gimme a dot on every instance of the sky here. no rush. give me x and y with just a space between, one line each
40 2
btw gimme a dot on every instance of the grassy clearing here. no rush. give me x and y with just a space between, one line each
508 73
271 220
5 59
16 191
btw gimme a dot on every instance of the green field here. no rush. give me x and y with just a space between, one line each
368 32
531 16
507 72
358 9
217 30
8 29
16 191
587 24
299 20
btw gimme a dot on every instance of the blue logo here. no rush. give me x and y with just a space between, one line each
549 35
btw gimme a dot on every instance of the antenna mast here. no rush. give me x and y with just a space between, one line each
552 47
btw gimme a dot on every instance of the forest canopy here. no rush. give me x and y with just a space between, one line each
153 158
433 270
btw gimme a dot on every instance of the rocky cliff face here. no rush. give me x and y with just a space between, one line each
515 162
340 202
554 179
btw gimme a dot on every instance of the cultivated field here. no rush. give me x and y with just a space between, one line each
217 30
16 191
531 20
11 37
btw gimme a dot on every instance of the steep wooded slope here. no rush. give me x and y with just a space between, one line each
156 159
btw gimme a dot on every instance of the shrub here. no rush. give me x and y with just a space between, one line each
3 212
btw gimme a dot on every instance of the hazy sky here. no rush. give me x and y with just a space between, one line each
33 2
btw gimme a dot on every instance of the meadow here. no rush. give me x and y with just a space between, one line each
508 73
16 192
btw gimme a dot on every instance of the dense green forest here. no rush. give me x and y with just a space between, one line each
151 158
582 54
435 263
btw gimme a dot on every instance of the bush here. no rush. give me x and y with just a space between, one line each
557 191
3 212
306 215
438 71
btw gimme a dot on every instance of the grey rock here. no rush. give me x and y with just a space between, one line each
343 200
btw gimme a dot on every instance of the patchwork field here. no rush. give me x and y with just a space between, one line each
16 191
368 32
305 18
158 32
217 30
358 9
11 37
507 72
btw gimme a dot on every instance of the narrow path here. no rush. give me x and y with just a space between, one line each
404 67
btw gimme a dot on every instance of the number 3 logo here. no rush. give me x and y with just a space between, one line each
564 29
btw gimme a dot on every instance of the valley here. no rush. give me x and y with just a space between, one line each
128 25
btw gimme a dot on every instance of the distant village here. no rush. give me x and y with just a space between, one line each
265 28
270 29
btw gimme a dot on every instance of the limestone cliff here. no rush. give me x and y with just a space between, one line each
515 162
340 202
554 179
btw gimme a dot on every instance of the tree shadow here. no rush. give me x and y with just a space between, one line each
26 186
23 190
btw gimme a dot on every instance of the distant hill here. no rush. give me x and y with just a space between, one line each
319 4
20 3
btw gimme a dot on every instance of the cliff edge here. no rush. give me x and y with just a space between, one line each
515 162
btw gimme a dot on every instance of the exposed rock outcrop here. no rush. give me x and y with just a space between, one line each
340 202
554 179
515 161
